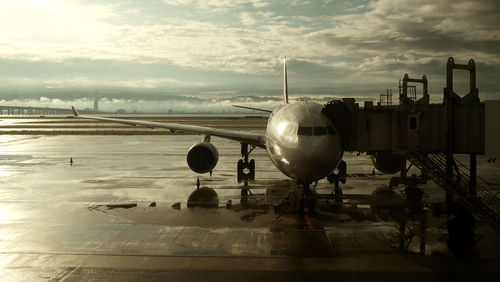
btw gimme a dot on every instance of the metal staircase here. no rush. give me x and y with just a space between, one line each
485 206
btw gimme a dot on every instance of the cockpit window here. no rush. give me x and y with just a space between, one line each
318 131
304 130
331 131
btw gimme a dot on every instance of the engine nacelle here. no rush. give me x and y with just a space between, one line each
387 163
202 157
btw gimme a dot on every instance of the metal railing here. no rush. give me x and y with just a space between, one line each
486 206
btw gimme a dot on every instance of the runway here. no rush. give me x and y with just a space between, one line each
95 220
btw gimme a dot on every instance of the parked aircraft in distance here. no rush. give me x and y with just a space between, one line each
301 141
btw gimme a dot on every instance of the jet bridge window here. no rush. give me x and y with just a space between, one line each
318 131
305 130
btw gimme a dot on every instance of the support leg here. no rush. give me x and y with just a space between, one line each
461 236
402 235
422 237
472 185
338 193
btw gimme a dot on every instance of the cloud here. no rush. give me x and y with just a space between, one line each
418 28
356 8
144 83
218 5
414 32
219 45
192 104
260 4
294 3
247 19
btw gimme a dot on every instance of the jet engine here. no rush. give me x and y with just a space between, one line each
202 157
387 163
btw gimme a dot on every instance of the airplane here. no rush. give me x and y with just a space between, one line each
300 140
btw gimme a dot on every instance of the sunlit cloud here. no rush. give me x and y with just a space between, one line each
218 5
217 46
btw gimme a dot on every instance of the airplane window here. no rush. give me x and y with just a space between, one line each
307 131
318 131
331 131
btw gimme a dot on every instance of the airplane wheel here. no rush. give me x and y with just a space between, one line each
251 167
240 171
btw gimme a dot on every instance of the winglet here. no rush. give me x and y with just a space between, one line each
285 84
75 112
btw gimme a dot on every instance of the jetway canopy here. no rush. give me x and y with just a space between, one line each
460 125
398 130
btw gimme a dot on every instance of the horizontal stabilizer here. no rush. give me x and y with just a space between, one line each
250 108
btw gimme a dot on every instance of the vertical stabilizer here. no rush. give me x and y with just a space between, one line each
285 84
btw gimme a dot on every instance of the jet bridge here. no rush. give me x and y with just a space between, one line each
428 136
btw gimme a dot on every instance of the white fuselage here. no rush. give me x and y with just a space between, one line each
302 142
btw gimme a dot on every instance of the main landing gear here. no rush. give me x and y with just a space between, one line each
246 168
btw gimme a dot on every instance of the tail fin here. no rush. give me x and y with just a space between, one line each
285 84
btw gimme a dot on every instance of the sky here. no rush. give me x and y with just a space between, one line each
155 55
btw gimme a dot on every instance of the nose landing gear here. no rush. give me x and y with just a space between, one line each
308 201
336 178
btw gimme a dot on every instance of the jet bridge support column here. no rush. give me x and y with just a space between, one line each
451 99
404 100
450 116
473 92
460 227
403 168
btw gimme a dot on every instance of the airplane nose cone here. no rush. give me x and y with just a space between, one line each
318 163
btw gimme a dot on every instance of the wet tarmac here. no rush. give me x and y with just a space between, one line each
120 213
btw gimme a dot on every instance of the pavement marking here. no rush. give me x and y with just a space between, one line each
309 226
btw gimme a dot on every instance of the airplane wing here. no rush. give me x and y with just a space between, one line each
243 137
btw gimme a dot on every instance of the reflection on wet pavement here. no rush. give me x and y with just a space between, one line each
102 204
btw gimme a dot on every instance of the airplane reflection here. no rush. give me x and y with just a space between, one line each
405 225
203 197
